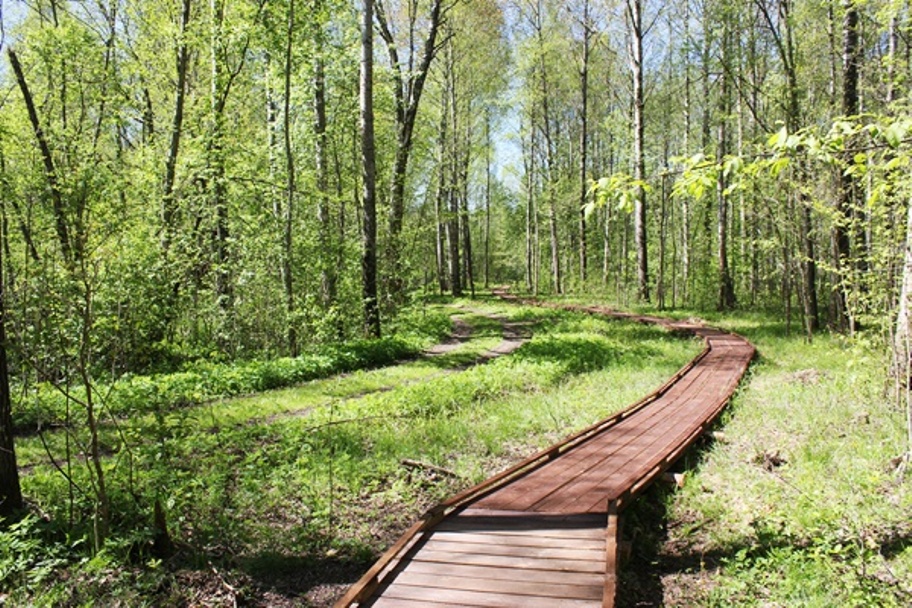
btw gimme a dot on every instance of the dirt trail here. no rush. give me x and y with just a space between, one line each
515 334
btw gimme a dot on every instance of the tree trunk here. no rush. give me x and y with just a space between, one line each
487 218
440 200
902 340
584 143
291 186
635 25
407 90
50 168
452 232
847 199
216 164
10 490
169 203
369 177
328 268
726 285
555 246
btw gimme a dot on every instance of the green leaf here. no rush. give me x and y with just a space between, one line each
894 134
778 139
778 165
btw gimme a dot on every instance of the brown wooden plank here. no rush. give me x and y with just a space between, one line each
544 552
398 602
609 591
523 587
511 561
529 538
489 555
589 492
484 600
504 573
560 525
534 490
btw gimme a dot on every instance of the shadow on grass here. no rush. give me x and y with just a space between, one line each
323 579
645 527
652 559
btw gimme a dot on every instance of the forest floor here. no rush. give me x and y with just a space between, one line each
283 498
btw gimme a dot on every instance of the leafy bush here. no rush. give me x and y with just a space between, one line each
28 554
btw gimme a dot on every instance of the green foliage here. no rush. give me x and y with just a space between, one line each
801 502
619 190
31 554
321 471
45 405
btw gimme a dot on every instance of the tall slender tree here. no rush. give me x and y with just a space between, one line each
636 33
369 292
409 77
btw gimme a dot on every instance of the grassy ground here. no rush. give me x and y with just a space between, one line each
283 498
801 504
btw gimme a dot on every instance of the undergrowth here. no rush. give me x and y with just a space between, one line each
323 487
802 505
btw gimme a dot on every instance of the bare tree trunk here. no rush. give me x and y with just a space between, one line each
635 26
487 219
368 176
60 220
408 86
584 142
726 285
555 246
663 221
291 186
457 269
453 242
847 200
440 200
529 161
467 238
328 270
169 204
688 120
215 163
902 340
10 490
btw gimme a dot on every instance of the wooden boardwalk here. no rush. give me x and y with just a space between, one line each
544 533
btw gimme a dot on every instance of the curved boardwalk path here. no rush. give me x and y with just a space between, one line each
544 533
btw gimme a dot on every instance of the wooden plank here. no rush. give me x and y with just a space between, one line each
512 561
553 476
523 520
483 600
589 490
543 552
593 481
529 538
489 555
523 587
611 557
497 574
389 602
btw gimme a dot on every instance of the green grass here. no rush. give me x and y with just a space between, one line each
258 492
830 525
799 506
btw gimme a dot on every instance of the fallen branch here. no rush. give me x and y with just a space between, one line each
415 464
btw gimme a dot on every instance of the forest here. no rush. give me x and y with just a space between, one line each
230 228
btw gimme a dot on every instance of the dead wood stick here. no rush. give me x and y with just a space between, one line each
416 464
